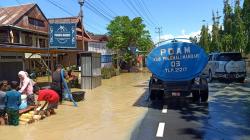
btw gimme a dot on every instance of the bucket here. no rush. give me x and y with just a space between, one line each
78 95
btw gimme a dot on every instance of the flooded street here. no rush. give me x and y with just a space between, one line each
119 110
108 112
224 117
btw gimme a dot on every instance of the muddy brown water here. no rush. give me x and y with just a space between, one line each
107 113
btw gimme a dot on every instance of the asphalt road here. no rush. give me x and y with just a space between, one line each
226 116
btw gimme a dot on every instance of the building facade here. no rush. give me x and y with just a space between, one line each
99 44
21 26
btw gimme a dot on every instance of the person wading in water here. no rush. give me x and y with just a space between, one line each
57 82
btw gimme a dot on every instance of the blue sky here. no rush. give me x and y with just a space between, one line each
178 18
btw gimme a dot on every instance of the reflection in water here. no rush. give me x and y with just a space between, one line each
107 113
229 111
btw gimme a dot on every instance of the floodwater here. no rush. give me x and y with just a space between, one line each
108 112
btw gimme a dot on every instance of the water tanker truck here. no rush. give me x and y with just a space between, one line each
176 68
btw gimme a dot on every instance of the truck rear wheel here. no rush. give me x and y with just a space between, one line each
241 80
195 96
204 95
152 95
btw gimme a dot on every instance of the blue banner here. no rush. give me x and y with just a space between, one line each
177 61
62 35
106 58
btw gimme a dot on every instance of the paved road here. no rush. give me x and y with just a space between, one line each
225 117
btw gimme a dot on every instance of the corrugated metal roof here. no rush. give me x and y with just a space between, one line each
64 20
9 15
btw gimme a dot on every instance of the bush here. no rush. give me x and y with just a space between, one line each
109 72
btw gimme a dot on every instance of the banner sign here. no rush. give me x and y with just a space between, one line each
62 35
177 61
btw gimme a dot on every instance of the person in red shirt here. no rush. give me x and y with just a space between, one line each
50 97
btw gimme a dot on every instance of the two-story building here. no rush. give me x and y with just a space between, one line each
24 41
23 26
99 44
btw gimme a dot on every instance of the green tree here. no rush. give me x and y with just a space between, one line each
227 42
193 39
215 44
227 22
246 20
239 32
204 38
125 33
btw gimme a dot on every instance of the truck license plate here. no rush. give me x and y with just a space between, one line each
176 94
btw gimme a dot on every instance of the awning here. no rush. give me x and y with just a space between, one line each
27 49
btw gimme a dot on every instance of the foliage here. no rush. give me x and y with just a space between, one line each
205 39
239 34
246 21
125 33
234 35
108 72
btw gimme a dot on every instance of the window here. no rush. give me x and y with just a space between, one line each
36 22
229 57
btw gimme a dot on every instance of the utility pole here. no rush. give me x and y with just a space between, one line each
158 31
81 2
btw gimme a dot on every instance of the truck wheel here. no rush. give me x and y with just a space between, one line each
210 76
152 95
241 80
195 96
204 95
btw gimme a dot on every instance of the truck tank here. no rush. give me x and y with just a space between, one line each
177 70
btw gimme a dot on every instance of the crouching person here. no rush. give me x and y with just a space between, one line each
50 97
13 101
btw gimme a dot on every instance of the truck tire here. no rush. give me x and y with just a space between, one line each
204 95
195 96
152 95
241 80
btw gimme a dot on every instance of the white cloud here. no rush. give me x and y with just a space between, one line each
182 35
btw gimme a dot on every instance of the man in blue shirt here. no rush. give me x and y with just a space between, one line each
13 101
2 104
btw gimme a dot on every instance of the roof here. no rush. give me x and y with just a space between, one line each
28 49
99 37
10 15
65 20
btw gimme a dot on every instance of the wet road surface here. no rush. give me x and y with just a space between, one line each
119 110
224 117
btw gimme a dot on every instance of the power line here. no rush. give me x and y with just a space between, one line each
132 8
106 7
110 15
18 2
97 12
159 31
60 7
66 11
147 11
